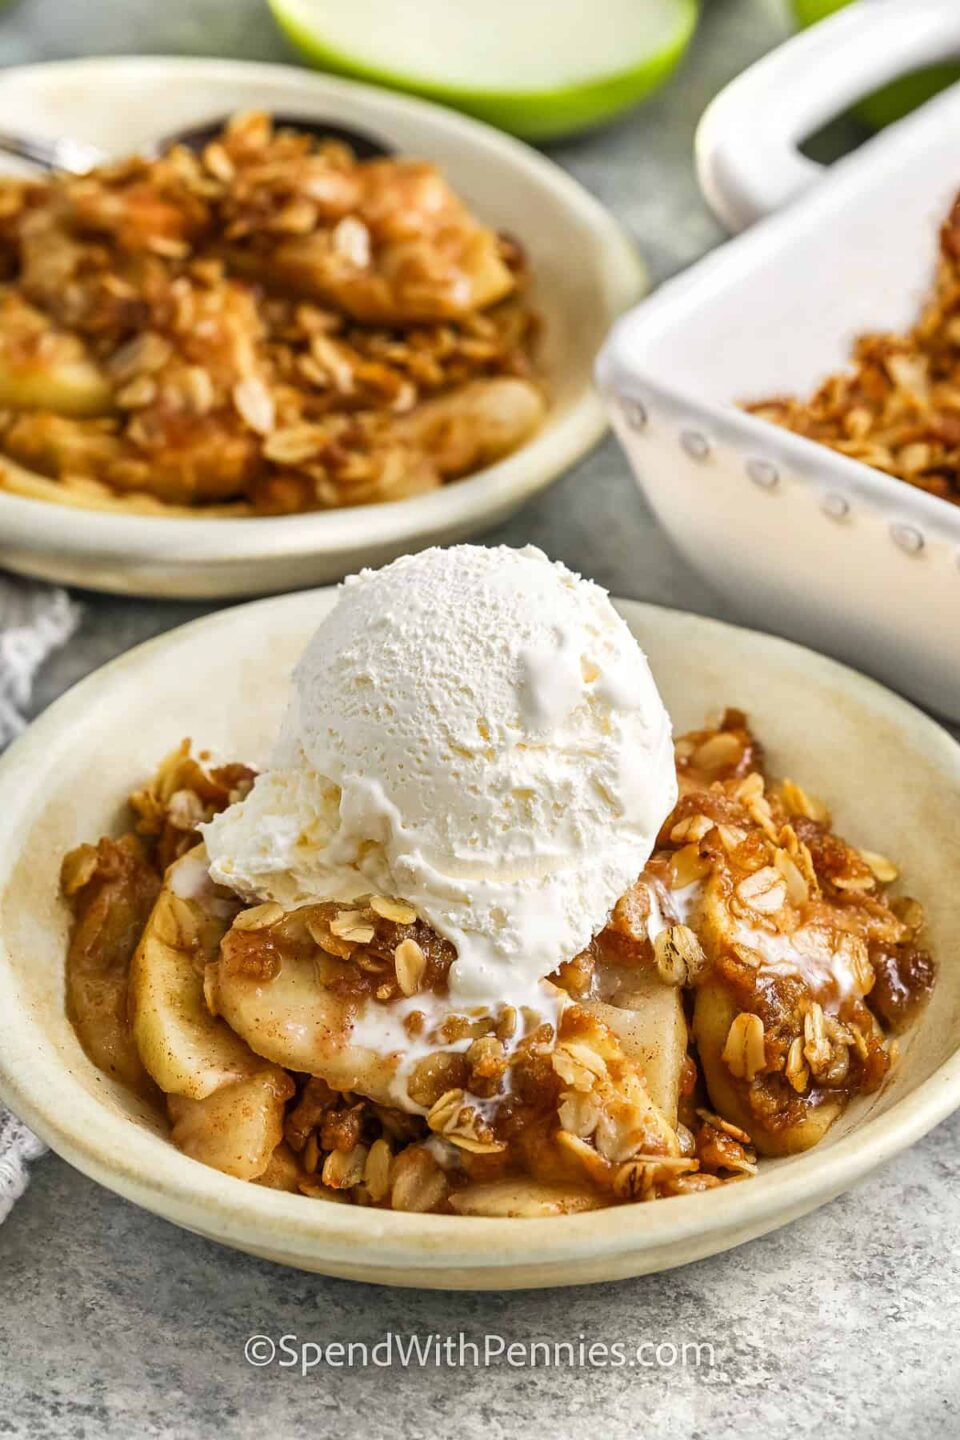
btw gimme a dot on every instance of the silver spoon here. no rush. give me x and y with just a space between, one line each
76 157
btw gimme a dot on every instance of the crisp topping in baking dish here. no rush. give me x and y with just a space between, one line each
749 983
270 326
898 407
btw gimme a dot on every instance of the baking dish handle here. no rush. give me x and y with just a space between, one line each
748 156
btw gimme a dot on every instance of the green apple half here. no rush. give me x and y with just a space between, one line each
895 100
539 68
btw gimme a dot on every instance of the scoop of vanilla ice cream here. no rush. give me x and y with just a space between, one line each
477 732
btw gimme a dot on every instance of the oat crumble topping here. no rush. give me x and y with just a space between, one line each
695 1037
270 326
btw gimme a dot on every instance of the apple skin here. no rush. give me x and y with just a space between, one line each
897 99
533 115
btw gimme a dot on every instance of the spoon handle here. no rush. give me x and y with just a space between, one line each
76 157
63 153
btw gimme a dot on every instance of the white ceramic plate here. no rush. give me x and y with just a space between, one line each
586 272
891 775
802 540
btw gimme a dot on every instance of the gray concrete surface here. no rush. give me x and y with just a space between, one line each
115 1324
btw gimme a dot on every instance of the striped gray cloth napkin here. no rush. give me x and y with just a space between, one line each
35 620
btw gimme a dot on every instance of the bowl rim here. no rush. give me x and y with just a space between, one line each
145 1168
564 439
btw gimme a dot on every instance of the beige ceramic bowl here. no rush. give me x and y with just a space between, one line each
891 774
586 272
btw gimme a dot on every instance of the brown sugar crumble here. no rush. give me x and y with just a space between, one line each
269 326
749 985
898 407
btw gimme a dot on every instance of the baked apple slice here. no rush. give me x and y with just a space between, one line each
474 426
187 1050
530 1199
293 1020
237 1128
806 1121
43 368
649 1022
112 889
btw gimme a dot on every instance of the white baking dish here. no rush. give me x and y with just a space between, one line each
801 540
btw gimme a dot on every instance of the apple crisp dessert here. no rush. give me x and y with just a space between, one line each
898 407
267 327
750 982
